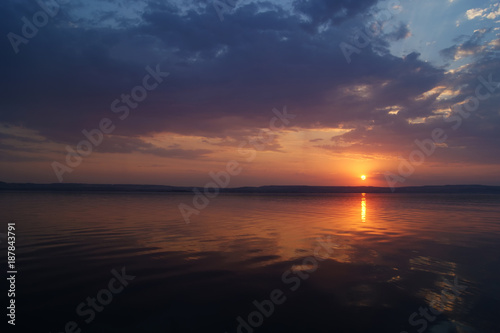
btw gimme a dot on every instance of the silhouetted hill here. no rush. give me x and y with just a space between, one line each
262 189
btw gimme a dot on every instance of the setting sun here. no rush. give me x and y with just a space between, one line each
363 177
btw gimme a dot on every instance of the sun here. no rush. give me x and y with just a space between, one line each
363 177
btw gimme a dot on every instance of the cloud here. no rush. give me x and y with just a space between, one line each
492 12
394 134
226 77
473 13
217 74
317 13
401 32
472 45
124 145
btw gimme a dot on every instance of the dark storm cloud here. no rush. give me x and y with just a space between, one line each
9 156
129 145
470 45
402 31
470 139
66 77
4 136
325 11
225 77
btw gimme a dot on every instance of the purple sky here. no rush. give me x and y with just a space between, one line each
423 67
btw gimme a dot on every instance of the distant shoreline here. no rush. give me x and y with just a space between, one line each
278 189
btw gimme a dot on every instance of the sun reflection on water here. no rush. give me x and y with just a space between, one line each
363 207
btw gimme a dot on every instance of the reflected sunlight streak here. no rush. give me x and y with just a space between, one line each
363 208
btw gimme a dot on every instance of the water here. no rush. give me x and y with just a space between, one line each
384 258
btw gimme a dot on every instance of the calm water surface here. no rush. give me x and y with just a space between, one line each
385 259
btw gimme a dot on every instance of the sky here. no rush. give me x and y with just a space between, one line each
291 92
